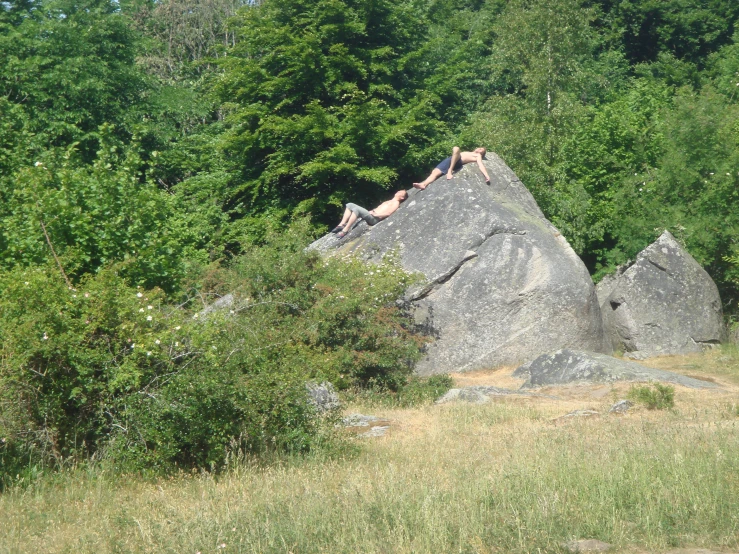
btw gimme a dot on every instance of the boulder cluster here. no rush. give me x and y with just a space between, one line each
502 286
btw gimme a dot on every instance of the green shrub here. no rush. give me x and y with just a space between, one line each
415 391
108 370
657 397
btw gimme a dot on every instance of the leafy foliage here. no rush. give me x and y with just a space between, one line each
416 391
656 397
323 98
109 370
167 146
68 65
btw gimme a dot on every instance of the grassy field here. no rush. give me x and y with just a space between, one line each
499 477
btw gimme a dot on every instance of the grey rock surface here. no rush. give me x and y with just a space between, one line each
322 396
663 303
366 426
570 366
621 407
222 303
501 283
480 394
576 414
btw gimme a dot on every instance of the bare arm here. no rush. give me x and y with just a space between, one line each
482 167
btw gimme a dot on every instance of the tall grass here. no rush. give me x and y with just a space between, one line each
492 478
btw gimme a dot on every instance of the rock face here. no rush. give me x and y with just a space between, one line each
664 303
569 366
502 284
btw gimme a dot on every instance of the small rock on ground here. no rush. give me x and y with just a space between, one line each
620 407
578 414
322 396
586 545
480 394
366 425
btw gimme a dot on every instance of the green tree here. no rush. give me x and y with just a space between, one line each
549 75
69 65
687 29
323 102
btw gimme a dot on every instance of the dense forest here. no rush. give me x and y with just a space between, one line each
155 155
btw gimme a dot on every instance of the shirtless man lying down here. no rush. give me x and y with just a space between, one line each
372 217
455 162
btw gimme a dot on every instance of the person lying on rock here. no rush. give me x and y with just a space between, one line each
455 162
372 217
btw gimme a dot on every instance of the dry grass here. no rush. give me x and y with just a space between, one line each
500 477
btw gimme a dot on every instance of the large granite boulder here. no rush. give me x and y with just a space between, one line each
568 366
502 284
663 303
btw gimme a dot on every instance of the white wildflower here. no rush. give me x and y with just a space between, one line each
45 337
150 307
37 164
87 295
26 283
148 353
149 318
177 328
139 294
157 341
141 309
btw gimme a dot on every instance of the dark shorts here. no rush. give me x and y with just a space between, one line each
444 165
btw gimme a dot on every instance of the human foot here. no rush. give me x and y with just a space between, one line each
419 186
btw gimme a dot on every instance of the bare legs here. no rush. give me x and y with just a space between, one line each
347 222
345 219
435 174
455 159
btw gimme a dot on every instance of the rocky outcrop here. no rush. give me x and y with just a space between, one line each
502 285
568 366
663 303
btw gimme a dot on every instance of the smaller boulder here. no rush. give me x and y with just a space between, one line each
663 303
322 396
572 366
222 303
621 407
366 426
